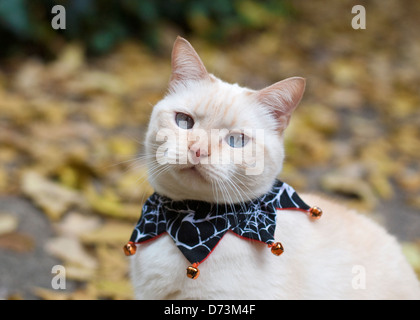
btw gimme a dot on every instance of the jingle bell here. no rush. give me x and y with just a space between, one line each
193 272
130 249
277 249
315 212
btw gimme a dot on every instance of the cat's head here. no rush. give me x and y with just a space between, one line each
213 141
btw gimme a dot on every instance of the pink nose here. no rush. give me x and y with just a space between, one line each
198 152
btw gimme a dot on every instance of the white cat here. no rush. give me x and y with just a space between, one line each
343 255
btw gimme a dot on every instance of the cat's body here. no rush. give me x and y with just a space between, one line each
341 256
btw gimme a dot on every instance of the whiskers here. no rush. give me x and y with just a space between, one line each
144 167
235 193
229 188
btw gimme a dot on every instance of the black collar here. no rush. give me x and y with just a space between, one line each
197 226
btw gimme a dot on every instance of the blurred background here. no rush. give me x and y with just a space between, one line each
75 102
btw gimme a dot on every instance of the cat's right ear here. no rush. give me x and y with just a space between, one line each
282 98
186 64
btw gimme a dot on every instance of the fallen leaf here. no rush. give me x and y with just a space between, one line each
111 279
121 289
133 185
408 179
123 147
79 273
75 224
51 197
70 251
69 61
109 204
112 233
322 118
351 187
347 72
17 241
29 77
382 185
8 223
48 294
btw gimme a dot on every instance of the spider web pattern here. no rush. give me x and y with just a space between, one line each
197 226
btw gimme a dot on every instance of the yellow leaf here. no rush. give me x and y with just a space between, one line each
52 198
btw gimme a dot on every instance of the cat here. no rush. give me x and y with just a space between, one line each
342 255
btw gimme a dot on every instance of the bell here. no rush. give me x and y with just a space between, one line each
193 272
277 249
315 212
130 249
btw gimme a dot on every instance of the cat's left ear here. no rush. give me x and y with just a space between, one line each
186 63
282 98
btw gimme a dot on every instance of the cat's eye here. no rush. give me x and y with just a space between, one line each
236 140
184 121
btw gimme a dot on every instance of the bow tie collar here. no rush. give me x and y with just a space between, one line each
196 227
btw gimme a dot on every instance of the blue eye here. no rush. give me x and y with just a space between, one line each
184 121
236 140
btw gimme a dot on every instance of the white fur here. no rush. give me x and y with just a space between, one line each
322 260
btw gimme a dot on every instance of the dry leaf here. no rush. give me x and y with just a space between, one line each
70 251
52 198
17 241
75 224
351 187
79 273
8 223
113 233
48 294
109 204
121 289
69 61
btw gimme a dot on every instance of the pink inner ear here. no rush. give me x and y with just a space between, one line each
186 64
282 98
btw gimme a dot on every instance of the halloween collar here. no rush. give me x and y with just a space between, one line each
196 227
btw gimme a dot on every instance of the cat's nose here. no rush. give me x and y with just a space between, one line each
197 152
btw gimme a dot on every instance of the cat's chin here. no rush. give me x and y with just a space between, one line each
194 174
182 183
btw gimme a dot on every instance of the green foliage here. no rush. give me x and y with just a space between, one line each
100 24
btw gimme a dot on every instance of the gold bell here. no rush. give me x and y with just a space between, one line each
130 249
276 248
193 272
315 212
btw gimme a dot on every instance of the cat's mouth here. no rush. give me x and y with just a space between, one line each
194 172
